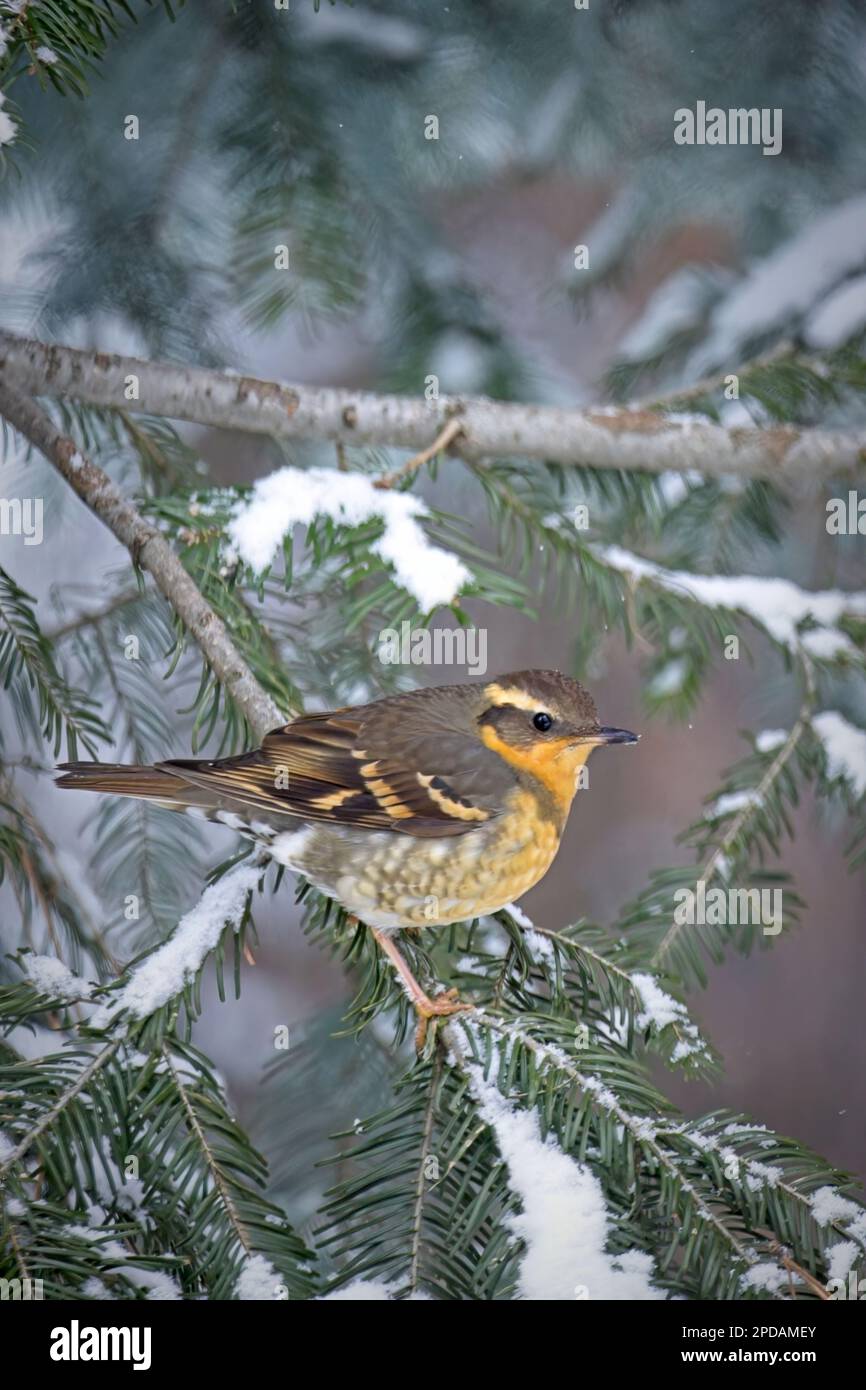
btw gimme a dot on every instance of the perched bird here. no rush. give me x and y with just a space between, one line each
414 811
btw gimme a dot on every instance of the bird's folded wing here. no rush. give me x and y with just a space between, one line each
344 768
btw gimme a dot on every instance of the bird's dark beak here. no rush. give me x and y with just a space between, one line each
604 736
608 735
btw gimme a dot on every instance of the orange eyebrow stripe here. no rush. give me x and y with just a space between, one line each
511 695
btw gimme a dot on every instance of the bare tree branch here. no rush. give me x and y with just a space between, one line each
442 441
149 550
604 437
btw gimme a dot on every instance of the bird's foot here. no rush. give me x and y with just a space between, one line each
443 1006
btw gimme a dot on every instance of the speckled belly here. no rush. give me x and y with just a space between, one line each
393 881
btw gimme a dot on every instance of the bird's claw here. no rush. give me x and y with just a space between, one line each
442 1006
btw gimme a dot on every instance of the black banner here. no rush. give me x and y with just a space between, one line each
144 1337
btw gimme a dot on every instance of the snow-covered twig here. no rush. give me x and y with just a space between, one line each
844 749
778 606
604 437
643 1132
297 496
653 1007
166 971
565 1220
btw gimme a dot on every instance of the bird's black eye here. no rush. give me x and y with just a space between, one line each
543 721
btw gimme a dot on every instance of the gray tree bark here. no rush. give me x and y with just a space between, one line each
604 437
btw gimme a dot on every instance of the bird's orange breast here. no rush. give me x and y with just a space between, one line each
554 764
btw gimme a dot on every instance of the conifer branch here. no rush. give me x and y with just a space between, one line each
554 1057
51 1115
18 1252
50 884
150 551
604 437
745 814
219 1178
421 1179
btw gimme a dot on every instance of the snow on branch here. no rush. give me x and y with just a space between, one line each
604 437
52 978
844 748
776 605
565 1222
157 1284
164 973
654 1009
296 495
659 1010
150 551
788 283
643 1130
258 1281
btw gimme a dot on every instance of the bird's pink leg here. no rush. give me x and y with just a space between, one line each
425 1007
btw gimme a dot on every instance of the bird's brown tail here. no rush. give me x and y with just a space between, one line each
125 779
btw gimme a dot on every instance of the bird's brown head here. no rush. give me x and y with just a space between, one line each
546 724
